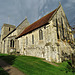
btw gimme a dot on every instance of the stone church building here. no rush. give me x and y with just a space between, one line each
49 37
8 35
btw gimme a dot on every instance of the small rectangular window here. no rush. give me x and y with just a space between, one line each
9 28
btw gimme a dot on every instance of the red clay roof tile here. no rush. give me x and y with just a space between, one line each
37 24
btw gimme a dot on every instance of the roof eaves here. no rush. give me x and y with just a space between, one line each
43 18
9 34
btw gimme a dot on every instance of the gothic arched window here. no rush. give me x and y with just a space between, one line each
40 34
62 27
26 40
57 29
12 43
32 39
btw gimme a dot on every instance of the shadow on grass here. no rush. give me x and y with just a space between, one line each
2 72
5 62
8 58
69 68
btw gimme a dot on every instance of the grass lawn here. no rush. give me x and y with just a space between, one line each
2 72
35 66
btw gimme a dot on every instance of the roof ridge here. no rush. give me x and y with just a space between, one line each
42 21
22 22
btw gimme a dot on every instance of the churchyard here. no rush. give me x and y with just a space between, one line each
36 66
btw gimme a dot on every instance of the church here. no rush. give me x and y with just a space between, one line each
50 37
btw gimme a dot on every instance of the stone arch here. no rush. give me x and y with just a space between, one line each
40 34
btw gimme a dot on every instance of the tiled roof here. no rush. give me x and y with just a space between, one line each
14 28
44 20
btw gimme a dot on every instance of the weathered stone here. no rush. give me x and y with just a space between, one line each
53 45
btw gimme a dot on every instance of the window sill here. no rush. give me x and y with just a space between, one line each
41 41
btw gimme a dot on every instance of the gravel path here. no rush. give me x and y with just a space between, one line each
8 68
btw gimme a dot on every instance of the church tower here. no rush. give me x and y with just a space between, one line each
6 29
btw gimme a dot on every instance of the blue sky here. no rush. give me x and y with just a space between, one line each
17 10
